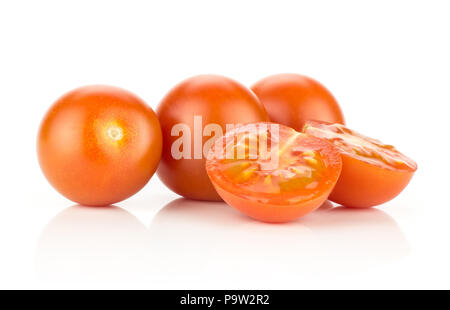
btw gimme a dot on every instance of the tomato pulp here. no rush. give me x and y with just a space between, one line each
98 145
372 172
192 115
271 172
291 99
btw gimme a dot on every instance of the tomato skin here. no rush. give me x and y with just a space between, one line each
218 100
291 99
278 207
363 184
272 213
98 145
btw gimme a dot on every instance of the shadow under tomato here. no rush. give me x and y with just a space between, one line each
91 244
358 237
184 234
188 236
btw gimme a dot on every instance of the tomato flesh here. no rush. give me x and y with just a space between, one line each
372 172
281 174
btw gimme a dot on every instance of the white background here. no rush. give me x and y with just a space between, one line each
387 63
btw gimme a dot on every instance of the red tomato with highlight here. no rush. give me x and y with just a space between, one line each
271 172
98 145
291 99
192 115
372 172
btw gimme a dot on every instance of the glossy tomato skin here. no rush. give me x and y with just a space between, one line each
98 145
291 99
272 213
275 206
217 100
364 184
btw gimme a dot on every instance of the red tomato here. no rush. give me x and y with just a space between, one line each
291 99
292 178
98 145
372 172
188 115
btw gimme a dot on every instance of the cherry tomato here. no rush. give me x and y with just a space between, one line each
271 172
192 115
291 99
98 145
372 172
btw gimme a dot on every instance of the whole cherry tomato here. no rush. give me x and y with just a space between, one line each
98 145
192 115
271 172
372 172
291 99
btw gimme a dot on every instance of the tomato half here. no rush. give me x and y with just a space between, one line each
98 145
372 172
193 114
272 172
291 99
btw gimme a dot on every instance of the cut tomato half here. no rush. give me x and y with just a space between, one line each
271 172
372 172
